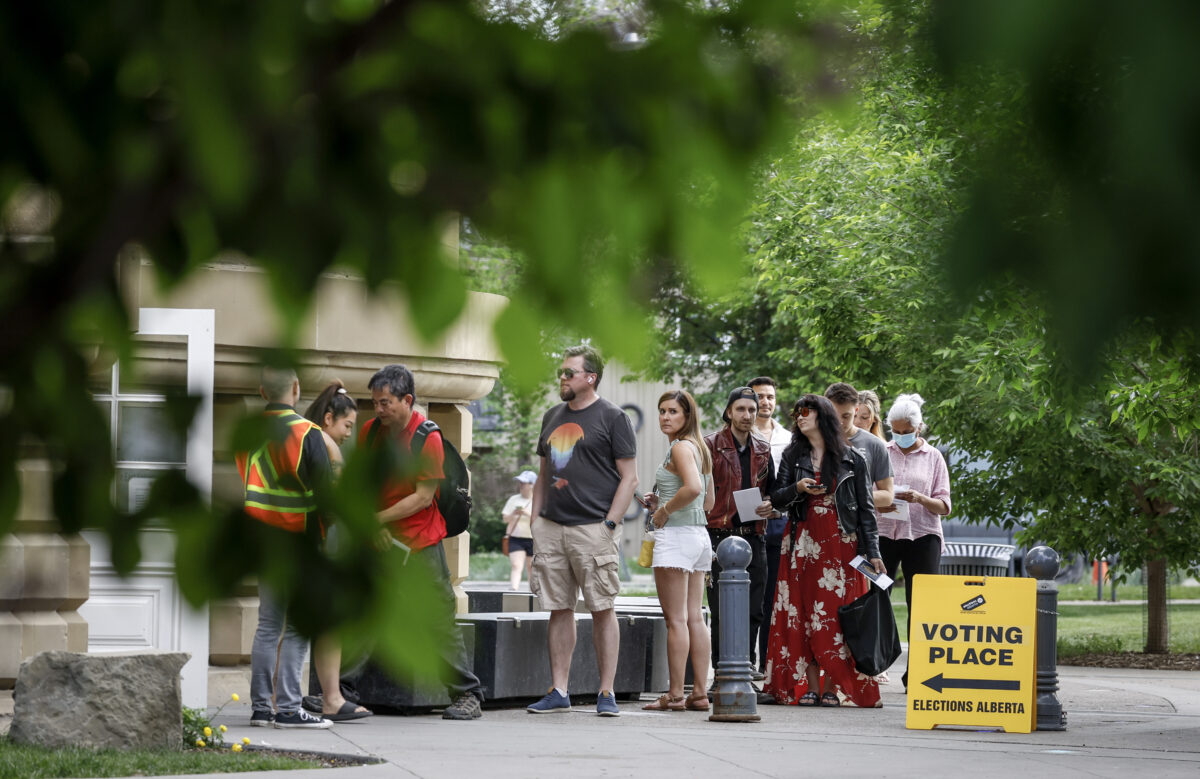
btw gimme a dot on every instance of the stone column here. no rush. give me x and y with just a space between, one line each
456 423
44 577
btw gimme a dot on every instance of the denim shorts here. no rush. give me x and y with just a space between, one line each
686 547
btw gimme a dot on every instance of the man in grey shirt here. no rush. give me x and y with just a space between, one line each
879 466
586 480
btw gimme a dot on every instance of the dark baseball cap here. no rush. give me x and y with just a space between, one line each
741 393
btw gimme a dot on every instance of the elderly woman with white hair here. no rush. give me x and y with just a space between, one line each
910 534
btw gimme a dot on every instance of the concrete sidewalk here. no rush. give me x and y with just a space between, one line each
1120 723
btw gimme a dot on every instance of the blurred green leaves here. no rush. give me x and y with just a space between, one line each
303 135
849 231
1084 144
342 134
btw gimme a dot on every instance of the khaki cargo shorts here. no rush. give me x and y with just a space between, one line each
570 558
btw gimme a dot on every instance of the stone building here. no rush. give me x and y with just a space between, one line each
60 592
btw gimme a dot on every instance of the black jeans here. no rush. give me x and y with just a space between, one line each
921 555
455 668
774 550
758 579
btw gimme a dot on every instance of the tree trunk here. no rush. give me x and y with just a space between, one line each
1156 606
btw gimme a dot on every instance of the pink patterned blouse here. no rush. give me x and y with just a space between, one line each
923 470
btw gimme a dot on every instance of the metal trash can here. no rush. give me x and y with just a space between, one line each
965 558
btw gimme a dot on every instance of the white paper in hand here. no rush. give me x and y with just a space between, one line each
901 512
747 501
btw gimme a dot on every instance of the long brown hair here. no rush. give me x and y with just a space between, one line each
691 430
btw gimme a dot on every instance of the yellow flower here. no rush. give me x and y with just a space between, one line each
246 741
207 731
234 697
199 742
222 728
236 747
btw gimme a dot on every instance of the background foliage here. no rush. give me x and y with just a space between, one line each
998 212
1083 443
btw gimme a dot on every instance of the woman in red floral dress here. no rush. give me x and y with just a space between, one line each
823 489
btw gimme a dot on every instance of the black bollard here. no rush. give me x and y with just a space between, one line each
734 699
1042 562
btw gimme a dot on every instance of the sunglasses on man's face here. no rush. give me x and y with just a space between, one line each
569 373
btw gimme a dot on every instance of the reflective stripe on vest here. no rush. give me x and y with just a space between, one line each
271 475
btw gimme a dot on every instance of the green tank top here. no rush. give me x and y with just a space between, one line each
669 484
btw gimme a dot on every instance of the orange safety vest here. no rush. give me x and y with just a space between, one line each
271 475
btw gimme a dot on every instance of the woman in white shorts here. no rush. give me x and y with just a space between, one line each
682 551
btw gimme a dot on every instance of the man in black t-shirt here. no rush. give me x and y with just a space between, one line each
586 479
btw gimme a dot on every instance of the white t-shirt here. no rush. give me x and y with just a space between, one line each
522 530
779 440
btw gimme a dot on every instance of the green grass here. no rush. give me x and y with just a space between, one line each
21 761
489 567
1118 628
1085 591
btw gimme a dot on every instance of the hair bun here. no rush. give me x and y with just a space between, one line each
914 398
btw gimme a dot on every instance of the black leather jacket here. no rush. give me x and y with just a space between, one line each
851 495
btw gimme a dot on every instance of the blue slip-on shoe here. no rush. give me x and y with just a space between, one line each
550 703
606 704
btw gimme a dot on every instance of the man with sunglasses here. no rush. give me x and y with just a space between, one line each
586 479
741 461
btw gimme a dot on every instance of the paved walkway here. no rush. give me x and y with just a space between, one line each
1120 723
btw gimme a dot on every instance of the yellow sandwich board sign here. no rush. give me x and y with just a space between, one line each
972 653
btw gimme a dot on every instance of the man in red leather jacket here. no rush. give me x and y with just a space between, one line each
741 460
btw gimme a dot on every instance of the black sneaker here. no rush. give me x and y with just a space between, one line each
261 719
300 719
465 706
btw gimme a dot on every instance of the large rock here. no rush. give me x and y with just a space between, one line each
120 701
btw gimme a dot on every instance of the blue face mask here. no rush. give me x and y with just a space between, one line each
904 440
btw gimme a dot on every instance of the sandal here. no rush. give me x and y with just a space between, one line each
807 699
697 702
831 699
666 703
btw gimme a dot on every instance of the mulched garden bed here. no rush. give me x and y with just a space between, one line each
1170 662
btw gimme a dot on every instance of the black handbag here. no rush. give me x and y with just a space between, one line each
869 630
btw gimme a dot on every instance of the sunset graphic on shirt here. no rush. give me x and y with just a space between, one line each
562 444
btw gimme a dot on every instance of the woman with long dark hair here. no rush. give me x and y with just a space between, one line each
822 485
336 412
